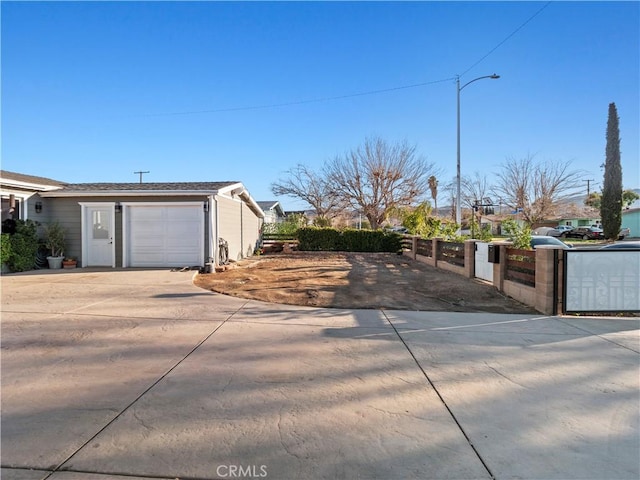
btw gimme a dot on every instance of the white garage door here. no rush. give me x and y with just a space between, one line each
165 235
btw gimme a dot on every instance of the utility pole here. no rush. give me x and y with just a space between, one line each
141 173
588 186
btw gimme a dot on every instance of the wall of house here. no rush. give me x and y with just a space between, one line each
67 211
239 226
631 220
229 214
250 230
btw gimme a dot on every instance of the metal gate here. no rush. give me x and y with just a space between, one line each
483 268
601 281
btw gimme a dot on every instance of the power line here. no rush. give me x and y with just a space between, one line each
351 95
508 37
301 102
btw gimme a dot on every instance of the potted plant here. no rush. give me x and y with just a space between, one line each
55 242
69 262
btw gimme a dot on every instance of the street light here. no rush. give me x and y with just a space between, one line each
459 197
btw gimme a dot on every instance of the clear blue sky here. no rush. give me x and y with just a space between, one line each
93 91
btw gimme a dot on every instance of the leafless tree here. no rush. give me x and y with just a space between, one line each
475 188
536 187
377 178
305 184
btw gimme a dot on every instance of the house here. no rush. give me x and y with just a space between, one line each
631 220
17 191
273 212
146 224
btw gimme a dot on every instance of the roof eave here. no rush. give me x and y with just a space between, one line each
129 193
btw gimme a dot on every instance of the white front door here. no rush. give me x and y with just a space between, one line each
99 232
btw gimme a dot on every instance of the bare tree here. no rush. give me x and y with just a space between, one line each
378 177
536 188
303 183
475 189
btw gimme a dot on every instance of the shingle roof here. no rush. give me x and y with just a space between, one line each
21 177
147 186
266 205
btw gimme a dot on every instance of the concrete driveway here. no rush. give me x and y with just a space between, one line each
139 374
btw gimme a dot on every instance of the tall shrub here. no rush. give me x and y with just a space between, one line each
520 236
611 203
24 246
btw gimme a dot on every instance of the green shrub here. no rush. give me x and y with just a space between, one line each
520 236
23 246
314 239
289 227
348 240
5 248
485 233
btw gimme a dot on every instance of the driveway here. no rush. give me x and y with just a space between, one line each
140 374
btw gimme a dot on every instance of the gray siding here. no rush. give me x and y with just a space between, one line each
250 230
68 212
229 214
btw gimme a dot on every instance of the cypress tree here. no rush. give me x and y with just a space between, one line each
611 204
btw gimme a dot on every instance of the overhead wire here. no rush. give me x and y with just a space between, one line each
358 94
507 38
302 102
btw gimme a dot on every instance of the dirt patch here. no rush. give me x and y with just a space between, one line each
357 280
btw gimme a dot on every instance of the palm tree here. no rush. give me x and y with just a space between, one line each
433 186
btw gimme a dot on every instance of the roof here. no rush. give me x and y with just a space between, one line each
148 186
156 189
7 177
268 204
143 189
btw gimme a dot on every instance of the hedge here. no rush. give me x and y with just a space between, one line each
349 240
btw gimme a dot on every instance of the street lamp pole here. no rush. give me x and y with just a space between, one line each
459 197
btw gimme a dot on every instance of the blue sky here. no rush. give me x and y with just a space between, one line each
93 91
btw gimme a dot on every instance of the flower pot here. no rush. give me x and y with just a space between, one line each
69 263
55 262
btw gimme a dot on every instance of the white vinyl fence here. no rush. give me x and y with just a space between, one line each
483 268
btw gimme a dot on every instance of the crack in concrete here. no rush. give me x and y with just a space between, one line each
505 377
439 395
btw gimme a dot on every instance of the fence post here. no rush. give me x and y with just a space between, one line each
414 247
470 258
434 251
500 268
545 280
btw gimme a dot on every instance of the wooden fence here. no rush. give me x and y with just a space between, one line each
521 266
451 252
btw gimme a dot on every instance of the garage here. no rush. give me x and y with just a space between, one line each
164 235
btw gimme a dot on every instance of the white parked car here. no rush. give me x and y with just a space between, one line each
538 240
548 231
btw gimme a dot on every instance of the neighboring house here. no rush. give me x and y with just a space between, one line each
150 224
580 221
273 212
631 220
18 190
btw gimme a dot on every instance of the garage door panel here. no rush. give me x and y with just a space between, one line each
165 235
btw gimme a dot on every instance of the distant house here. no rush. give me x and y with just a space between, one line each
140 224
581 221
273 212
631 220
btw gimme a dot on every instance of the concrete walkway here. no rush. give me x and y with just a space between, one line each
139 374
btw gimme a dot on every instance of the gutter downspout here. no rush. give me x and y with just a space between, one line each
216 233
212 230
